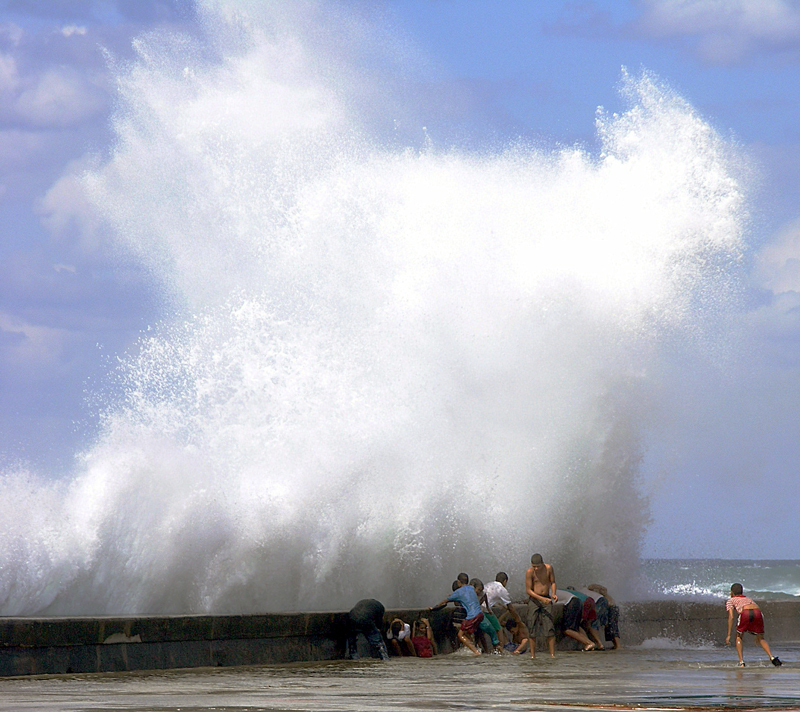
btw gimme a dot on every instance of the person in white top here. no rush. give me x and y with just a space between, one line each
499 600
400 633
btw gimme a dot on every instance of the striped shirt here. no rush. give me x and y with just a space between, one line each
739 603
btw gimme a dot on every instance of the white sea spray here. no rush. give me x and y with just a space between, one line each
377 365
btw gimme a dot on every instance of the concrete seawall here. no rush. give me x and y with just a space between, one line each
35 646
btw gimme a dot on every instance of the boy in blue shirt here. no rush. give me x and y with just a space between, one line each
466 596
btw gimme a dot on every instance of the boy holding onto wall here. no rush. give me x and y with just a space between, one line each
750 621
465 594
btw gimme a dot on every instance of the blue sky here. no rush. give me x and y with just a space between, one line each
485 73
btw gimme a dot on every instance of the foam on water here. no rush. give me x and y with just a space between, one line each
712 579
377 366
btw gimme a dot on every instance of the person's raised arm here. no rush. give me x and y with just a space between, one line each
429 633
439 605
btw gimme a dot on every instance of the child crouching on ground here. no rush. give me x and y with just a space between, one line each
423 641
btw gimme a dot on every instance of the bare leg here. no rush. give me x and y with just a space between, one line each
739 648
532 646
763 643
551 644
464 638
598 643
580 636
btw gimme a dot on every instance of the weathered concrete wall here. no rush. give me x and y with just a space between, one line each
33 646
696 623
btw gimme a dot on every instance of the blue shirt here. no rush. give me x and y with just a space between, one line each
580 596
468 598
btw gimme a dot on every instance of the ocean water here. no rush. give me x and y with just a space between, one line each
640 679
703 579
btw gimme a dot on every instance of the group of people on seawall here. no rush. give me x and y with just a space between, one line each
485 620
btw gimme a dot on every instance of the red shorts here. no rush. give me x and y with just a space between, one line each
471 624
751 621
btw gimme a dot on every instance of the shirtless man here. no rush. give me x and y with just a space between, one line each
540 585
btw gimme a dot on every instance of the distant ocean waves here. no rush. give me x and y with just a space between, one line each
712 578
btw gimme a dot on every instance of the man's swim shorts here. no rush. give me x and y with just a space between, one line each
751 621
540 619
471 624
571 617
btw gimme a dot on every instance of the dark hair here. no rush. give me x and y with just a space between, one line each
501 577
397 626
463 578
537 560
456 584
737 589
476 583
511 624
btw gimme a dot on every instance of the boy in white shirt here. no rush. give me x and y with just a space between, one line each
399 635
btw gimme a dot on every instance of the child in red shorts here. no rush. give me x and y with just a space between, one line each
750 621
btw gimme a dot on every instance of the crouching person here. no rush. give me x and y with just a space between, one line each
399 637
366 617
422 639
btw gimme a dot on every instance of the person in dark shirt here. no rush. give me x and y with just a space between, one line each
366 617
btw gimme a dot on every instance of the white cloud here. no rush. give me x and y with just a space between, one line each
11 32
9 76
32 350
777 265
67 214
59 97
726 30
21 148
70 30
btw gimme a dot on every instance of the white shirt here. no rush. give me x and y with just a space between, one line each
496 593
402 635
564 596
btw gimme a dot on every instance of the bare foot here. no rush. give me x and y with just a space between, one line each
589 647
